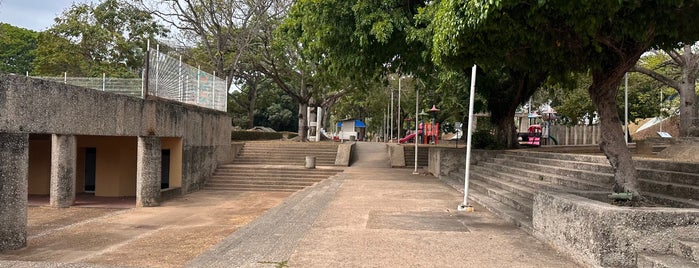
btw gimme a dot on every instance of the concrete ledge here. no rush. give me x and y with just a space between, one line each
170 193
602 235
344 154
397 155
444 161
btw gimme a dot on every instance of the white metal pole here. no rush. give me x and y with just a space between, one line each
661 110
400 117
157 67
196 99
179 81
65 77
392 111
416 122
626 107
213 91
104 81
319 118
465 205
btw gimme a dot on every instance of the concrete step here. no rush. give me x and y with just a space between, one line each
595 167
650 260
571 182
595 177
507 213
671 201
241 183
253 189
669 176
664 164
666 188
519 180
519 189
314 171
598 159
510 199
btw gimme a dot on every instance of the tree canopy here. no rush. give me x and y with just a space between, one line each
17 49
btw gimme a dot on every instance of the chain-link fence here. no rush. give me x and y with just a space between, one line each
126 86
167 78
170 78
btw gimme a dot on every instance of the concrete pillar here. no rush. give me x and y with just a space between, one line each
63 159
148 172
14 169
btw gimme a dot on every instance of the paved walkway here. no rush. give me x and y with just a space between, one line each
375 216
368 216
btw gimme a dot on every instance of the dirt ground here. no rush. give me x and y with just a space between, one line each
166 236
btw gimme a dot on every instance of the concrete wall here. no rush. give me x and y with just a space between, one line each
43 107
445 161
602 235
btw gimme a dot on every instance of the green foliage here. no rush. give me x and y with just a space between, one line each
484 137
255 135
17 49
88 40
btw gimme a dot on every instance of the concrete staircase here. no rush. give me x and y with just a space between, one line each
287 153
507 183
422 155
275 166
236 177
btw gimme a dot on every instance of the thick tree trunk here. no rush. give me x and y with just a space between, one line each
603 92
505 131
303 127
688 100
252 97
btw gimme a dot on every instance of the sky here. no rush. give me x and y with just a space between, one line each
35 15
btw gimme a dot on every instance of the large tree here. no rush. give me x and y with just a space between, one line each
108 37
17 49
679 71
605 37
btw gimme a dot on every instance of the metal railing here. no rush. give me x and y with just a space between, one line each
167 78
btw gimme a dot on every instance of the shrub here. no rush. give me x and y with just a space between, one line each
255 135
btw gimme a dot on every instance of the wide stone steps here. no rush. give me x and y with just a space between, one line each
275 166
543 175
423 154
587 166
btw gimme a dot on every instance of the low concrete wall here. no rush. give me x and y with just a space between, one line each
344 154
43 107
397 155
445 161
602 235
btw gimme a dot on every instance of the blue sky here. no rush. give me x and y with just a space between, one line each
35 15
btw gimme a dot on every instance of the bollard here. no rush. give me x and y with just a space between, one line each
310 162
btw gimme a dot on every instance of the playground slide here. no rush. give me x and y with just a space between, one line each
407 138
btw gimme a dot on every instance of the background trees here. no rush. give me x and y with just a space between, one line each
18 49
88 40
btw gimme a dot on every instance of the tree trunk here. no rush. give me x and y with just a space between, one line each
505 128
603 93
252 97
687 104
303 127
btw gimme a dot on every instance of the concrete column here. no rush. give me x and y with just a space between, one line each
63 159
148 172
14 169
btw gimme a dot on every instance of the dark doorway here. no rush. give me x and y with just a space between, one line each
90 169
165 169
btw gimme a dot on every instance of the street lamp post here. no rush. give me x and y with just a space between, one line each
400 117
